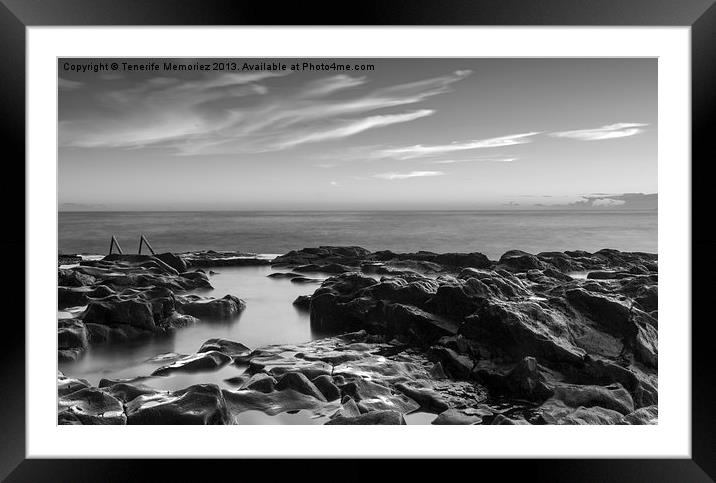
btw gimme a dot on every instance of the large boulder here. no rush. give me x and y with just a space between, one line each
300 383
174 261
421 326
474 260
226 307
147 309
198 404
525 380
519 261
520 329
614 315
71 334
90 405
459 298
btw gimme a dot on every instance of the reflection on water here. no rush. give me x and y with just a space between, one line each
301 417
269 318
419 417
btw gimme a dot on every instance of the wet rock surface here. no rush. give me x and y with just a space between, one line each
213 258
129 297
522 326
547 338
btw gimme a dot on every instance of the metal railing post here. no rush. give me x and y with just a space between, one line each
143 241
114 243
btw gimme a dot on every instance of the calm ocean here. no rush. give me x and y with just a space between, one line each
489 232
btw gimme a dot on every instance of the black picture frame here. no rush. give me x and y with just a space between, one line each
16 15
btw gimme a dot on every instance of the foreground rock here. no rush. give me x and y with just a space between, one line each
526 339
352 379
522 326
200 404
127 297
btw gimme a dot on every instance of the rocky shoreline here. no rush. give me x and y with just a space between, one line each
549 338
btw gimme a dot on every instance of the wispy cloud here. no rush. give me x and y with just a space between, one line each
496 159
68 85
352 127
420 151
412 174
610 131
241 113
329 85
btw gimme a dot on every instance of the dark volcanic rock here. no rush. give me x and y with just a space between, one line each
198 362
260 382
519 261
74 278
300 383
557 412
373 417
199 404
71 334
288 275
226 307
518 341
524 330
473 260
125 391
525 380
305 280
67 385
325 255
613 397
428 399
225 346
173 261
457 365
90 406
138 311
501 419
645 415
126 296
222 259
68 259
303 302
329 390
328 268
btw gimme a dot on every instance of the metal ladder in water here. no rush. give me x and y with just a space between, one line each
113 243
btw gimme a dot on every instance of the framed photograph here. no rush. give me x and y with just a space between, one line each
257 234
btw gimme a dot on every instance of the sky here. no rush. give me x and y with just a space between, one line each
454 133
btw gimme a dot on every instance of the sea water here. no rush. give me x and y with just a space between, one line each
489 232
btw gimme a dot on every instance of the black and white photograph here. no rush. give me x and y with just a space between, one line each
357 241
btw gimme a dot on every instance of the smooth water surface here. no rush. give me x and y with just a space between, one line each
489 232
269 318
